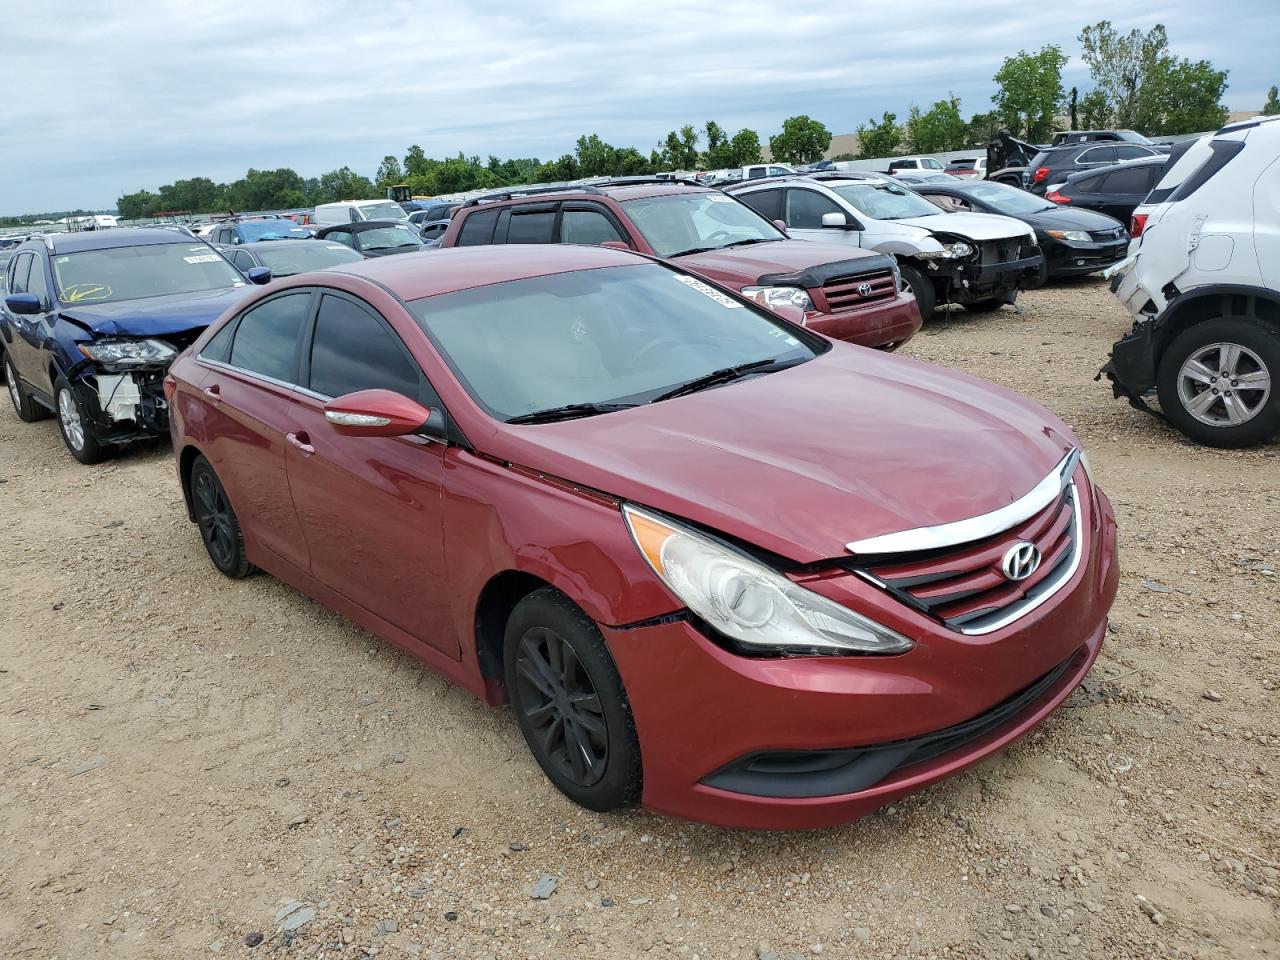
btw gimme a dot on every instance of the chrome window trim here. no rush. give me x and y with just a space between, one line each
975 528
1047 588
251 374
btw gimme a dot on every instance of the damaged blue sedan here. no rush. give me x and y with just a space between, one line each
91 322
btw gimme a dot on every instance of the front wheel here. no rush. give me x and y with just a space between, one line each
570 703
1217 381
922 289
75 426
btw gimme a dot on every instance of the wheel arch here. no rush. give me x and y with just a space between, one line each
186 459
494 606
1207 303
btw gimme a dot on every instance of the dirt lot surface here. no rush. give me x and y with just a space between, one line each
190 764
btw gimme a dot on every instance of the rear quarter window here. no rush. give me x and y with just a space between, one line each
477 229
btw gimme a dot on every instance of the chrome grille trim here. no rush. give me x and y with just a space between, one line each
976 528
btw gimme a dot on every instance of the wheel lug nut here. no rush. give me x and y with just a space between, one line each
1215 391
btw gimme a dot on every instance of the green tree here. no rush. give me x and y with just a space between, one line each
981 129
802 140
266 190
719 152
1030 92
134 206
744 149
389 173
416 163
679 151
343 184
941 129
1095 110
1272 106
1149 88
555 171
883 139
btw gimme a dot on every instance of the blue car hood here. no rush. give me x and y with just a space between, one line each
155 316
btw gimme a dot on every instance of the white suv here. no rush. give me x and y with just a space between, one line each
1203 282
978 260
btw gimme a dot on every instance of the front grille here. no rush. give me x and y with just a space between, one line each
1106 236
825 773
844 293
1000 251
966 588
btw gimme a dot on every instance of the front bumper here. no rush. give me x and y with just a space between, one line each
1074 259
699 708
885 325
970 281
125 407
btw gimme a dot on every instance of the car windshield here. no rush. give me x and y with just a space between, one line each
621 335
392 235
1008 200
146 270
386 210
286 259
881 200
694 222
254 230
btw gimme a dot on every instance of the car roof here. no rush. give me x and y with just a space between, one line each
1159 159
413 276
107 239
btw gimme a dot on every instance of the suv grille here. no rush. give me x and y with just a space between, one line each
966 588
842 293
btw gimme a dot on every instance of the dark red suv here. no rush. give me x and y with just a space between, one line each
717 563
850 295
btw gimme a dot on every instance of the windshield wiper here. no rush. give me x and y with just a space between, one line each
569 411
717 377
743 243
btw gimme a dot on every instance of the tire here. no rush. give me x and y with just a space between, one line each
75 427
24 405
1247 347
565 688
922 289
219 526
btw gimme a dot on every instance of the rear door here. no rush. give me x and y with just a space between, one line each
529 223
371 506
247 387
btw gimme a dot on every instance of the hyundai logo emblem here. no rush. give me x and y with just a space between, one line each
864 289
1020 560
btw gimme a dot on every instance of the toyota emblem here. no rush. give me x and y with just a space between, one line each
1020 561
864 289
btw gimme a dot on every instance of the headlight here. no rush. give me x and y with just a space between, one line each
1078 235
778 297
128 353
949 251
745 600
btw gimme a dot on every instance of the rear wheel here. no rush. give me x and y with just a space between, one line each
1217 381
219 526
27 409
570 703
75 426
922 289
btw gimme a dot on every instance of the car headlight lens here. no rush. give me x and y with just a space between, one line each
778 297
957 249
128 353
747 601
1078 235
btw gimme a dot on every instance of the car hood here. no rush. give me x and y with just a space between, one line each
154 316
975 226
853 444
1066 218
748 263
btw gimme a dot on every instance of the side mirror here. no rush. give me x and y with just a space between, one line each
375 413
259 275
616 245
781 225
23 303
838 221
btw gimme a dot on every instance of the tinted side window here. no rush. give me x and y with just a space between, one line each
242 259
354 350
18 277
1135 180
35 280
1098 155
219 346
1087 184
266 339
587 226
534 226
477 229
767 203
343 237
1126 151
806 207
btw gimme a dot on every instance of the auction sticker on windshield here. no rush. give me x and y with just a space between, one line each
203 258
709 292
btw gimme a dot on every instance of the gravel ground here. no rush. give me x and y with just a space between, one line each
195 767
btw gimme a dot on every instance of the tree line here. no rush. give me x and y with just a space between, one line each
1138 84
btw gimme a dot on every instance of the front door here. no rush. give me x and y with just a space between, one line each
371 506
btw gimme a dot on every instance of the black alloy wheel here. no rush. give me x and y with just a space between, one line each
219 527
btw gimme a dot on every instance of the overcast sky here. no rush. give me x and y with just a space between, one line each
112 97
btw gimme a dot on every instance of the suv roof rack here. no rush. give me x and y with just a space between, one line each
646 179
848 175
513 192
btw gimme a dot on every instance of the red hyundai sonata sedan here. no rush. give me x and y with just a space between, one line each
717 563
